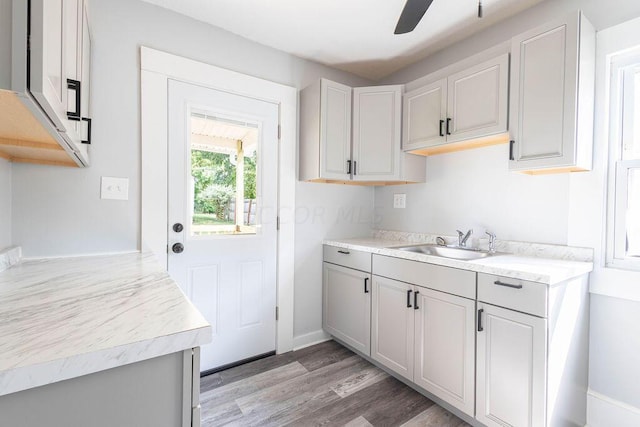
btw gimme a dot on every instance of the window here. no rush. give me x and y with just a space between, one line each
623 249
223 175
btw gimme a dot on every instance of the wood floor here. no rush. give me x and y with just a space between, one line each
322 385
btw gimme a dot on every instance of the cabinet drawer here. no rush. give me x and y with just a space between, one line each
358 260
520 295
445 279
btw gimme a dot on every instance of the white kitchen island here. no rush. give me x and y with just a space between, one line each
98 341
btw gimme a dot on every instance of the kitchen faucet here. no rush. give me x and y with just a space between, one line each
462 237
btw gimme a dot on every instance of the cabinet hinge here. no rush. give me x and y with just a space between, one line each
279 132
277 313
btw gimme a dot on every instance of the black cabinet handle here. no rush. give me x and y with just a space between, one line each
88 140
75 86
441 125
511 143
448 126
415 300
366 279
344 252
409 298
354 167
508 285
349 167
480 328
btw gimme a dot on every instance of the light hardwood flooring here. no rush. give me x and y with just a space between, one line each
322 385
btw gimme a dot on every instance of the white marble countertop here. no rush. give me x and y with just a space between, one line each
535 269
66 317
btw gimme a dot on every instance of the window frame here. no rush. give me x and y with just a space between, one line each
623 67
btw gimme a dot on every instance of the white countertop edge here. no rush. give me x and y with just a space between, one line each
562 270
23 378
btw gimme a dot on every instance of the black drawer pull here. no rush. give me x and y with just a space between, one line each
409 298
480 328
511 149
448 126
366 279
441 130
88 140
349 167
415 300
508 285
344 252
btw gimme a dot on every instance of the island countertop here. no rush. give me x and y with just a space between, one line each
62 318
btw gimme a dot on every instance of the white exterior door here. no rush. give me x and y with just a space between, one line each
511 364
346 305
445 347
222 232
377 125
392 325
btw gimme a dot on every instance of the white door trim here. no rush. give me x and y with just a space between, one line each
156 68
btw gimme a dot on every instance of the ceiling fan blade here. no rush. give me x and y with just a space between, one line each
411 15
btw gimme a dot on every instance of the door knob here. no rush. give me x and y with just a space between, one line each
177 248
177 227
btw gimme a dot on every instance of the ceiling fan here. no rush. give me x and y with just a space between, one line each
413 12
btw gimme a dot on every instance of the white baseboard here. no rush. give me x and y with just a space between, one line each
306 340
603 411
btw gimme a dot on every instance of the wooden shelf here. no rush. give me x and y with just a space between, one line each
23 139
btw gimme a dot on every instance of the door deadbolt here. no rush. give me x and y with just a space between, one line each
177 248
177 227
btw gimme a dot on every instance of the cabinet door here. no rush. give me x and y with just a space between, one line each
346 308
85 78
543 96
511 364
73 33
48 83
445 347
424 116
335 130
392 328
377 119
477 100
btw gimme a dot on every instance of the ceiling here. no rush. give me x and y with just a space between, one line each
352 35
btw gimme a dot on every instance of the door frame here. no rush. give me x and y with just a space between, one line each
156 68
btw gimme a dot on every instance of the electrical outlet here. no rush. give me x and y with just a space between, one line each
399 201
114 188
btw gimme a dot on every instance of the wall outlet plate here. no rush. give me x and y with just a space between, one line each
399 201
114 188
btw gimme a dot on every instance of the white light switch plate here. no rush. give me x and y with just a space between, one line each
399 201
114 188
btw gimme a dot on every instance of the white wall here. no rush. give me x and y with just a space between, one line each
5 204
57 211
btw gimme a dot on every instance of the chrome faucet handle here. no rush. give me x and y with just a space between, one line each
492 241
460 237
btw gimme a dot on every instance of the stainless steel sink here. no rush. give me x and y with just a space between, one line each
448 251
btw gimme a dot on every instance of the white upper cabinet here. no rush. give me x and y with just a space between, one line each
48 80
354 135
477 100
376 133
50 63
552 90
425 112
335 130
465 110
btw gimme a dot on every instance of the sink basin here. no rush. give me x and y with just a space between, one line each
447 251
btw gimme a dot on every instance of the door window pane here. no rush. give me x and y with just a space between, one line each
223 190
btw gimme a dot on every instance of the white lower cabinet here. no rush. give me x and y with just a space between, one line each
427 337
511 381
393 323
346 308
